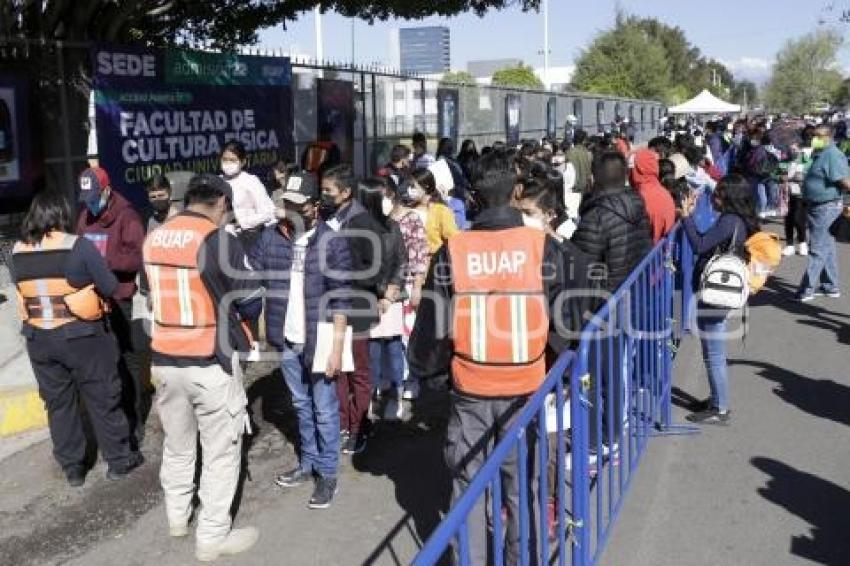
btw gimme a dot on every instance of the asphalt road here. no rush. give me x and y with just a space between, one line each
771 489
774 487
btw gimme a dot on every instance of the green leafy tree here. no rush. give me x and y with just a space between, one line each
519 76
457 78
224 24
805 73
624 61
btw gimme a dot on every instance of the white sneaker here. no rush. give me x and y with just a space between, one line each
236 541
788 251
803 249
255 355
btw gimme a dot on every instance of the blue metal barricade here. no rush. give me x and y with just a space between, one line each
620 381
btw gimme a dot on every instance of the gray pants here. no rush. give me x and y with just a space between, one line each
208 401
475 427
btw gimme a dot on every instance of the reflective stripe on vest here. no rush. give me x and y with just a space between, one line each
184 313
45 298
500 320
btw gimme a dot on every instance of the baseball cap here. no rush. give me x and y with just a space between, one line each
299 189
92 181
212 181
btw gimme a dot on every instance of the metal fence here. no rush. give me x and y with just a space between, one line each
620 381
389 107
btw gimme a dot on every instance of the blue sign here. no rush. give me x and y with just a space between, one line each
161 110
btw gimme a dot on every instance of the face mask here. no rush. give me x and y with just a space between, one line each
328 203
161 205
95 206
818 143
755 143
229 168
387 206
532 222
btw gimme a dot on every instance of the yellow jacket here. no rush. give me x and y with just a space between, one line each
439 226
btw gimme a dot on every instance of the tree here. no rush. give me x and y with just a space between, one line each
457 78
520 76
624 61
224 24
805 73
221 24
745 92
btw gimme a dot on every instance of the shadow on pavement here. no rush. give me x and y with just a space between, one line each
820 502
823 398
410 454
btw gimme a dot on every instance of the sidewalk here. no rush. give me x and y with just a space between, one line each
774 487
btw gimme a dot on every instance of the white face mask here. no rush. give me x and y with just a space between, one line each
229 168
415 194
387 206
532 222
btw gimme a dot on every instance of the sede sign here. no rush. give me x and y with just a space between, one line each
126 64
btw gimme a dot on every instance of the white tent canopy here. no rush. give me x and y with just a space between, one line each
704 103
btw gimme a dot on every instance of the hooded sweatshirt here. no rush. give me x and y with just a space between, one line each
659 205
118 234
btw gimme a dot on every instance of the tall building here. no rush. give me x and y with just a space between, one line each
425 50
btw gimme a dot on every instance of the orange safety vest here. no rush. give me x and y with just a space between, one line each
184 314
45 298
500 319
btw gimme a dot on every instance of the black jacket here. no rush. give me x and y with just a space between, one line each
430 348
613 231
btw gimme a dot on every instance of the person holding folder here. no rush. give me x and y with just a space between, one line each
305 268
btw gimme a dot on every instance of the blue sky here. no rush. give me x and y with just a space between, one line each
745 35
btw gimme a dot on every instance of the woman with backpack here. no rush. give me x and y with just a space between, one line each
733 199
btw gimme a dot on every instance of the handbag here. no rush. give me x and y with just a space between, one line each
840 229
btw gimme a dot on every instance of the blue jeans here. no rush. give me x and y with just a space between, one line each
712 336
822 270
760 195
386 360
317 407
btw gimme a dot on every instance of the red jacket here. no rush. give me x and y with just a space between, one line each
658 202
118 234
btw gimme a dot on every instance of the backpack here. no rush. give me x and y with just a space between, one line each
765 254
725 279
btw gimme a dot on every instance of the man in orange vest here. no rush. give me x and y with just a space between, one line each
486 316
201 292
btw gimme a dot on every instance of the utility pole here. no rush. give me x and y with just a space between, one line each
352 42
317 14
546 44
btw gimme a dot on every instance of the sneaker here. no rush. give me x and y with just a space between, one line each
293 478
803 249
355 444
120 472
394 410
76 476
411 390
788 251
711 416
344 435
323 494
236 541
256 354
831 294
805 297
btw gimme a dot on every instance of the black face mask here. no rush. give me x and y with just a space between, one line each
329 203
160 206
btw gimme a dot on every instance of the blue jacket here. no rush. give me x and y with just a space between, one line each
272 255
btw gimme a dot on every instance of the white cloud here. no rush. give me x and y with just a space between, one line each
754 68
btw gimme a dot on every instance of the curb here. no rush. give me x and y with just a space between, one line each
21 409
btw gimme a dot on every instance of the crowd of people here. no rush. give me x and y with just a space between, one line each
445 271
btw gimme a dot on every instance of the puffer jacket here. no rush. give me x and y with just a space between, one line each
614 231
325 288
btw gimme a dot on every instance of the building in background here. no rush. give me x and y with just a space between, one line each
425 50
